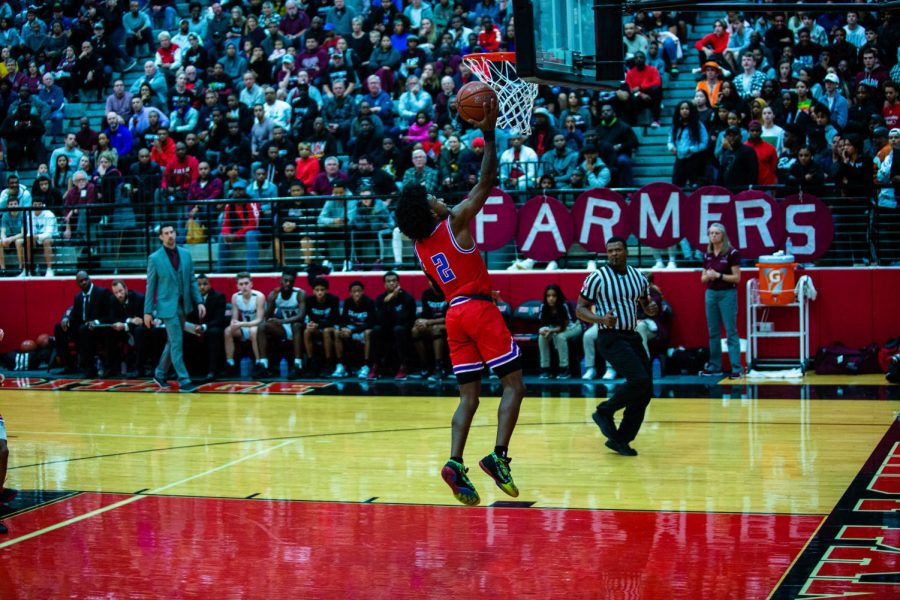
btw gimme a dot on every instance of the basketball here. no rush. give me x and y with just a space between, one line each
471 98
43 341
27 346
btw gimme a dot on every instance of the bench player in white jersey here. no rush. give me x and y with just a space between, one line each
248 307
285 309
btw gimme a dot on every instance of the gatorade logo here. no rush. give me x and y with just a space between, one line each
775 277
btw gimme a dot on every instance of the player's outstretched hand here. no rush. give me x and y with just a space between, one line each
491 112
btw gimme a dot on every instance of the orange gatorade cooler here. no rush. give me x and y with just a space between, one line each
776 279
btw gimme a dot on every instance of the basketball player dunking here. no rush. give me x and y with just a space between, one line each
476 332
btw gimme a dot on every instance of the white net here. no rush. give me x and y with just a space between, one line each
515 97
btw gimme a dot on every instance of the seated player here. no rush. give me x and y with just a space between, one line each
322 316
285 309
357 322
431 329
247 310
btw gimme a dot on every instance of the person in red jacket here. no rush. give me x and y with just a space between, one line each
643 89
179 173
766 156
240 222
712 46
489 37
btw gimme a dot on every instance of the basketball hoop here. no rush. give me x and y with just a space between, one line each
515 97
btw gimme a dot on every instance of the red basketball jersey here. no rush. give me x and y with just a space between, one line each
459 272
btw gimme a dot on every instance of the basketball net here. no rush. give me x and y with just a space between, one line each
515 97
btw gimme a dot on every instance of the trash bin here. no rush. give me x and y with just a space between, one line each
776 279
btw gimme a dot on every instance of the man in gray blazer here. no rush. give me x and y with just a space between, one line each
172 292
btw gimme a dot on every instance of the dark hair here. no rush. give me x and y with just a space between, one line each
617 240
354 283
244 275
693 124
289 271
165 224
116 282
390 274
320 281
201 276
414 215
560 297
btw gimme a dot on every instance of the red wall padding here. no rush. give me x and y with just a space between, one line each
856 306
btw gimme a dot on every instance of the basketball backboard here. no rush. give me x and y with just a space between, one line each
576 43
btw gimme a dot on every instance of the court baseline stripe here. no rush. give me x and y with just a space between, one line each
126 501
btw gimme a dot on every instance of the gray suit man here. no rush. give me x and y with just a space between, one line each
172 292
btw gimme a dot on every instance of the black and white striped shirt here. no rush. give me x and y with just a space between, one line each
620 292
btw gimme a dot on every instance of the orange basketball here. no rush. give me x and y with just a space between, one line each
471 98
43 341
27 346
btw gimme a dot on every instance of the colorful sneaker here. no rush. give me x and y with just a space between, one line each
454 474
3 528
498 468
363 372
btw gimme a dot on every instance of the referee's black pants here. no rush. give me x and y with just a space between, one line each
625 352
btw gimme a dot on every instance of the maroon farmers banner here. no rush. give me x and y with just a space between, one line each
659 215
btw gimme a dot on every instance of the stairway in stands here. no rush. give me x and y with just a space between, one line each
653 160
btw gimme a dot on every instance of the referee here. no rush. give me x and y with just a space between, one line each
615 289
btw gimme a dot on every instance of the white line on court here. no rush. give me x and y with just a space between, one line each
20 432
158 490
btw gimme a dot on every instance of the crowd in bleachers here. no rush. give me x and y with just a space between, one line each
801 99
246 101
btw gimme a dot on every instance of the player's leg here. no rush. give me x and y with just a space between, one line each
232 332
297 343
454 471
6 494
254 343
626 353
340 337
261 366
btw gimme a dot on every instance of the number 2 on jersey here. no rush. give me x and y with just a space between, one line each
443 267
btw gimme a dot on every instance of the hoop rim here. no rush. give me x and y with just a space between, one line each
509 57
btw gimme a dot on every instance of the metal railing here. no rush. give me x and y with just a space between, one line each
117 238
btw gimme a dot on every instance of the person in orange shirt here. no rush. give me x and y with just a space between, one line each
712 84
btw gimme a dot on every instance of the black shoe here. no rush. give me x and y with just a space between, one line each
259 371
233 370
8 495
621 447
546 374
606 424
188 387
295 373
162 383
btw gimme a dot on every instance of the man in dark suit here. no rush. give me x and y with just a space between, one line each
125 318
80 325
172 293
209 329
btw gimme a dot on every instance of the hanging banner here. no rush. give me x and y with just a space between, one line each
495 225
809 226
544 229
599 214
657 215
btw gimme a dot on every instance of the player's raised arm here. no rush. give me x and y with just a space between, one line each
468 208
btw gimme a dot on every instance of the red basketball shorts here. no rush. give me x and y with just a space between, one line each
478 336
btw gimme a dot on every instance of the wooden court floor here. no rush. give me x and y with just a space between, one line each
333 491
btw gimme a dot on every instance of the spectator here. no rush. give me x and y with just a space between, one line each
643 89
154 78
872 73
721 275
338 113
420 173
295 223
261 132
324 183
395 316
738 41
322 317
141 116
233 64
41 232
621 137
183 119
247 312
712 47
312 59
119 102
593 170
778 36
138 29
168 56
891 109
240 226
162 149
853 170
278 111
688 141
711 84
634 41
805 173
205 187
22 131
333 222
43 191
561 162
12 234
766 156
340 16
14 189
557 326
856 33
836 103
370 223
52 95
738 164
381 184
749 83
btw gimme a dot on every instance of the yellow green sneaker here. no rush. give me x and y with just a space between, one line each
498 468
454 474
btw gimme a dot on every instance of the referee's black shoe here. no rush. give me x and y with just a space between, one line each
161 382
621 447
606 424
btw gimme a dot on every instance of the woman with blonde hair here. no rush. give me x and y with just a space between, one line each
721 275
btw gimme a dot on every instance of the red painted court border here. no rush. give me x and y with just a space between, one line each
183 547
140 385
